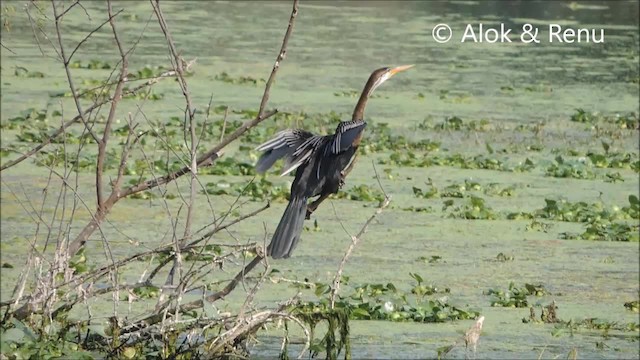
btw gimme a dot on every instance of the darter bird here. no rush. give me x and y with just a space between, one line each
321 164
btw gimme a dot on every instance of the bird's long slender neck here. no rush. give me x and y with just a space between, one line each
358 112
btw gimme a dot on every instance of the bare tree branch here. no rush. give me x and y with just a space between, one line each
178 64
281 55
65 62
197 304
117 96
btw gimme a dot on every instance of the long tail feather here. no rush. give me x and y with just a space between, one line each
289 229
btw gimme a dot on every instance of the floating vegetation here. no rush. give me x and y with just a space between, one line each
25 73
615 160
353 94
626 121
540 226
603 223
607 232
29 119
549 315
460 190
361 193
373 301
229 165
93 64
147 72
582 116
563 210
387 302
412 159
431 259
381 138
419 209
473 209
632 306
240 80
562 168
150 95
430 192
102 91
147 292
514 296
501 257
455 123
259 190
455 98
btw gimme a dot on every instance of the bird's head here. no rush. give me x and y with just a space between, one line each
376 79
383 74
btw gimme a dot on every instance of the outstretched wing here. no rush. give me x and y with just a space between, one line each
346 134
286 144
303 152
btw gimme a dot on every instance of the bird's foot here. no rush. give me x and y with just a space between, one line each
310 209
341 184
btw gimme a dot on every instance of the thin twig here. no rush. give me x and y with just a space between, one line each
178 64
35 34
354 241
225 226
117 96
281 55
65 62
4 46
92 31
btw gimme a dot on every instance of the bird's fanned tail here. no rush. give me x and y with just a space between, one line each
289 229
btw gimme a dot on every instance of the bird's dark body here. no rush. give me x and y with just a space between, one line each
308 184
321 164
320 174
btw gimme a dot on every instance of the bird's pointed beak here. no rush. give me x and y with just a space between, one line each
398 69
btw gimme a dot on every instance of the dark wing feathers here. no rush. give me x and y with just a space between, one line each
290 138
346 134
294 145
304 152
267 159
